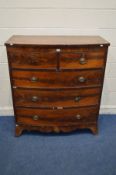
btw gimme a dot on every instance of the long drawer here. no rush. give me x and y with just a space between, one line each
59 79
38 116
56 98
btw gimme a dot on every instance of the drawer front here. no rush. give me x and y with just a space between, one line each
57 79
37 116
82 60
32 57
67 98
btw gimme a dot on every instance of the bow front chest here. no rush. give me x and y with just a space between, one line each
56 81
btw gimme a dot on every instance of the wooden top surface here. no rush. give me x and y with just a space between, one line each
56 40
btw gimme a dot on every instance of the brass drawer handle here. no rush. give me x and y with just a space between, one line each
35 117
82 60
34 98
34 79
77 99
78 116
82 79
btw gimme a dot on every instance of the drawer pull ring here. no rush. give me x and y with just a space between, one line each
77 99
34 98
35 117
81 79
78 116
82 60
34 79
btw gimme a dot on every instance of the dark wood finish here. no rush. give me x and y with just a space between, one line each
33 58
56 40
57 79
44 98
18 130
56 82
26 116
57 129
82 59
45 58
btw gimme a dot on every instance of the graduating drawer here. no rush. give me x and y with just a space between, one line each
55 79
56 98
32 57
38 116
82 59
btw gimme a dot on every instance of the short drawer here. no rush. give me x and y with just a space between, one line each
56 98
32 57
37 116
82 60
57 79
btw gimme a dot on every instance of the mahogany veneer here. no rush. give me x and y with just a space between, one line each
56 81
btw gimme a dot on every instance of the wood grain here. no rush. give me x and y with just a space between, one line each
57 79
92 59
56 128
33 58
49 99
56 86
56 40
45 117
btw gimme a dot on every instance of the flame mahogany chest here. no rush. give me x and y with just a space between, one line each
56 81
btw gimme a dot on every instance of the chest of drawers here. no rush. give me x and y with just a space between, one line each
56 81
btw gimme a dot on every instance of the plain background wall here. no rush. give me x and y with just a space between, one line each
59 17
